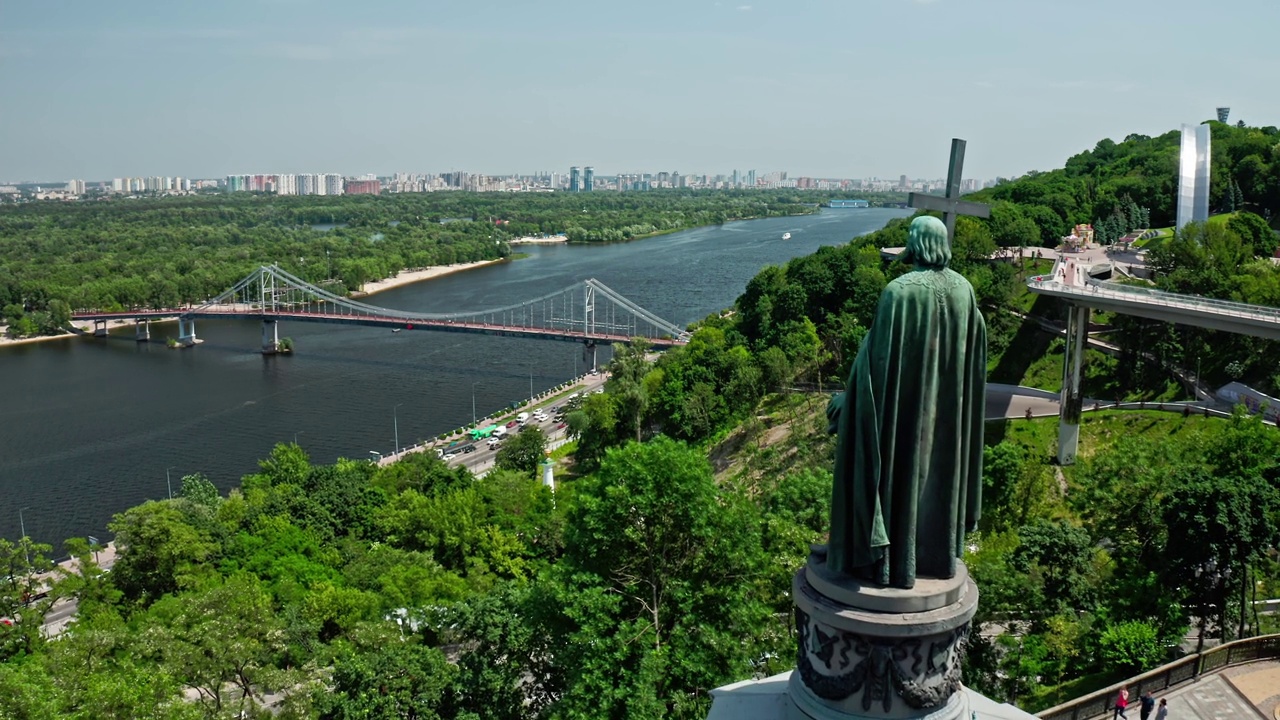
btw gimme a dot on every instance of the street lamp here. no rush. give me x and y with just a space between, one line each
23 524
473 401
295 436
395 419
530 388
167 483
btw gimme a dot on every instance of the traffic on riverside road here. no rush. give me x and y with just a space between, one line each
478 454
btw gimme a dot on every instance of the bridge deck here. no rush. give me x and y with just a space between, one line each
548 333
1241 318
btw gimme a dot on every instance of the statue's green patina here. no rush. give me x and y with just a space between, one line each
908 472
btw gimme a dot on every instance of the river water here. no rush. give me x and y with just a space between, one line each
89 427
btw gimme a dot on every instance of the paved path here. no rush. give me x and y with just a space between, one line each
1212 697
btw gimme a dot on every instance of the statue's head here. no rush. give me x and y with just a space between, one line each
927 244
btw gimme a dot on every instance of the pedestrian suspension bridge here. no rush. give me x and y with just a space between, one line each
1074 283
587 312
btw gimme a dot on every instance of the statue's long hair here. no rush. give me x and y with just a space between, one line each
927 244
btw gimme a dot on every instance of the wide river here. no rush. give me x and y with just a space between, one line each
89 427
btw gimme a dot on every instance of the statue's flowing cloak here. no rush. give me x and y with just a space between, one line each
908 474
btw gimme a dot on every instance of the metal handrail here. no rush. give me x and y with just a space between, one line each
1146 296
1101 703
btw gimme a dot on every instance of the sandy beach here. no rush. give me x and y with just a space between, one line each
531 240
406 277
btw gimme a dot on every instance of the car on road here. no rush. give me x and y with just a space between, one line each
539 416
522 417
493 443
449 456
468 449
513 423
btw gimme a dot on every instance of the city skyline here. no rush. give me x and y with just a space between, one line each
828 88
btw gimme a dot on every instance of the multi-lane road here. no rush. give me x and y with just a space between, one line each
481 460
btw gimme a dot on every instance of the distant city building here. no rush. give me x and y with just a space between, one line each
75 187
1193 175
363 187
904 183
751 178
588 178
1223 113
575 179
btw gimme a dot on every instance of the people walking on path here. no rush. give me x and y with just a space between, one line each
1148 704
1163 712
1122 702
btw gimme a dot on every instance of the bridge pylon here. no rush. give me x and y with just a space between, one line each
1072 399
270 337
142 330
187 332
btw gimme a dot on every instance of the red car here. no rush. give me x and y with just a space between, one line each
512 424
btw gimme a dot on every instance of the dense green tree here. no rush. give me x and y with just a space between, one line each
397 679
523 451
655 584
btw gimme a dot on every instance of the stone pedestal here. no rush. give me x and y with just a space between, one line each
866 651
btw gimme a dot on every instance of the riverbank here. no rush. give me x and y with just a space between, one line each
542 240
409 277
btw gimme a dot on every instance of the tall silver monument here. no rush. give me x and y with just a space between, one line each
1193 175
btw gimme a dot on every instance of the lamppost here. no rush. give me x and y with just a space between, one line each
295 436
530 388
395 419
473 401
23 524
167 483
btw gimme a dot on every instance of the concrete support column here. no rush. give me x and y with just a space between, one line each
99 328
143 330
1072 400
591 346
270 338
187 331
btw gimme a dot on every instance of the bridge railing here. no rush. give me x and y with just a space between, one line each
1158 297
1102 702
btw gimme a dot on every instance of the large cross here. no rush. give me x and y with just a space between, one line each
951 205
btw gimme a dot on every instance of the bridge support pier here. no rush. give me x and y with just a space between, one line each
99 328
1072 400
270 337
591 348
143 330
187 332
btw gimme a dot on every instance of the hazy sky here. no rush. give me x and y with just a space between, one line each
837 88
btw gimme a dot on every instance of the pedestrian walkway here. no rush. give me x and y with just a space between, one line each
1259 683
1211 697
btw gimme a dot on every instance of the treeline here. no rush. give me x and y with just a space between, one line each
416 590
163 252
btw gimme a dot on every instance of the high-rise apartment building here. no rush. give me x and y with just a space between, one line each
1223 114
363 187
751 178
588 179
575 179
75 187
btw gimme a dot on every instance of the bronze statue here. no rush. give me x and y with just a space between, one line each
908 471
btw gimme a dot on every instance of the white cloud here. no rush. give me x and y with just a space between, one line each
744 8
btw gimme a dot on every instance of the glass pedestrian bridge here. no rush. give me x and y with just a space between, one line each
1225 315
